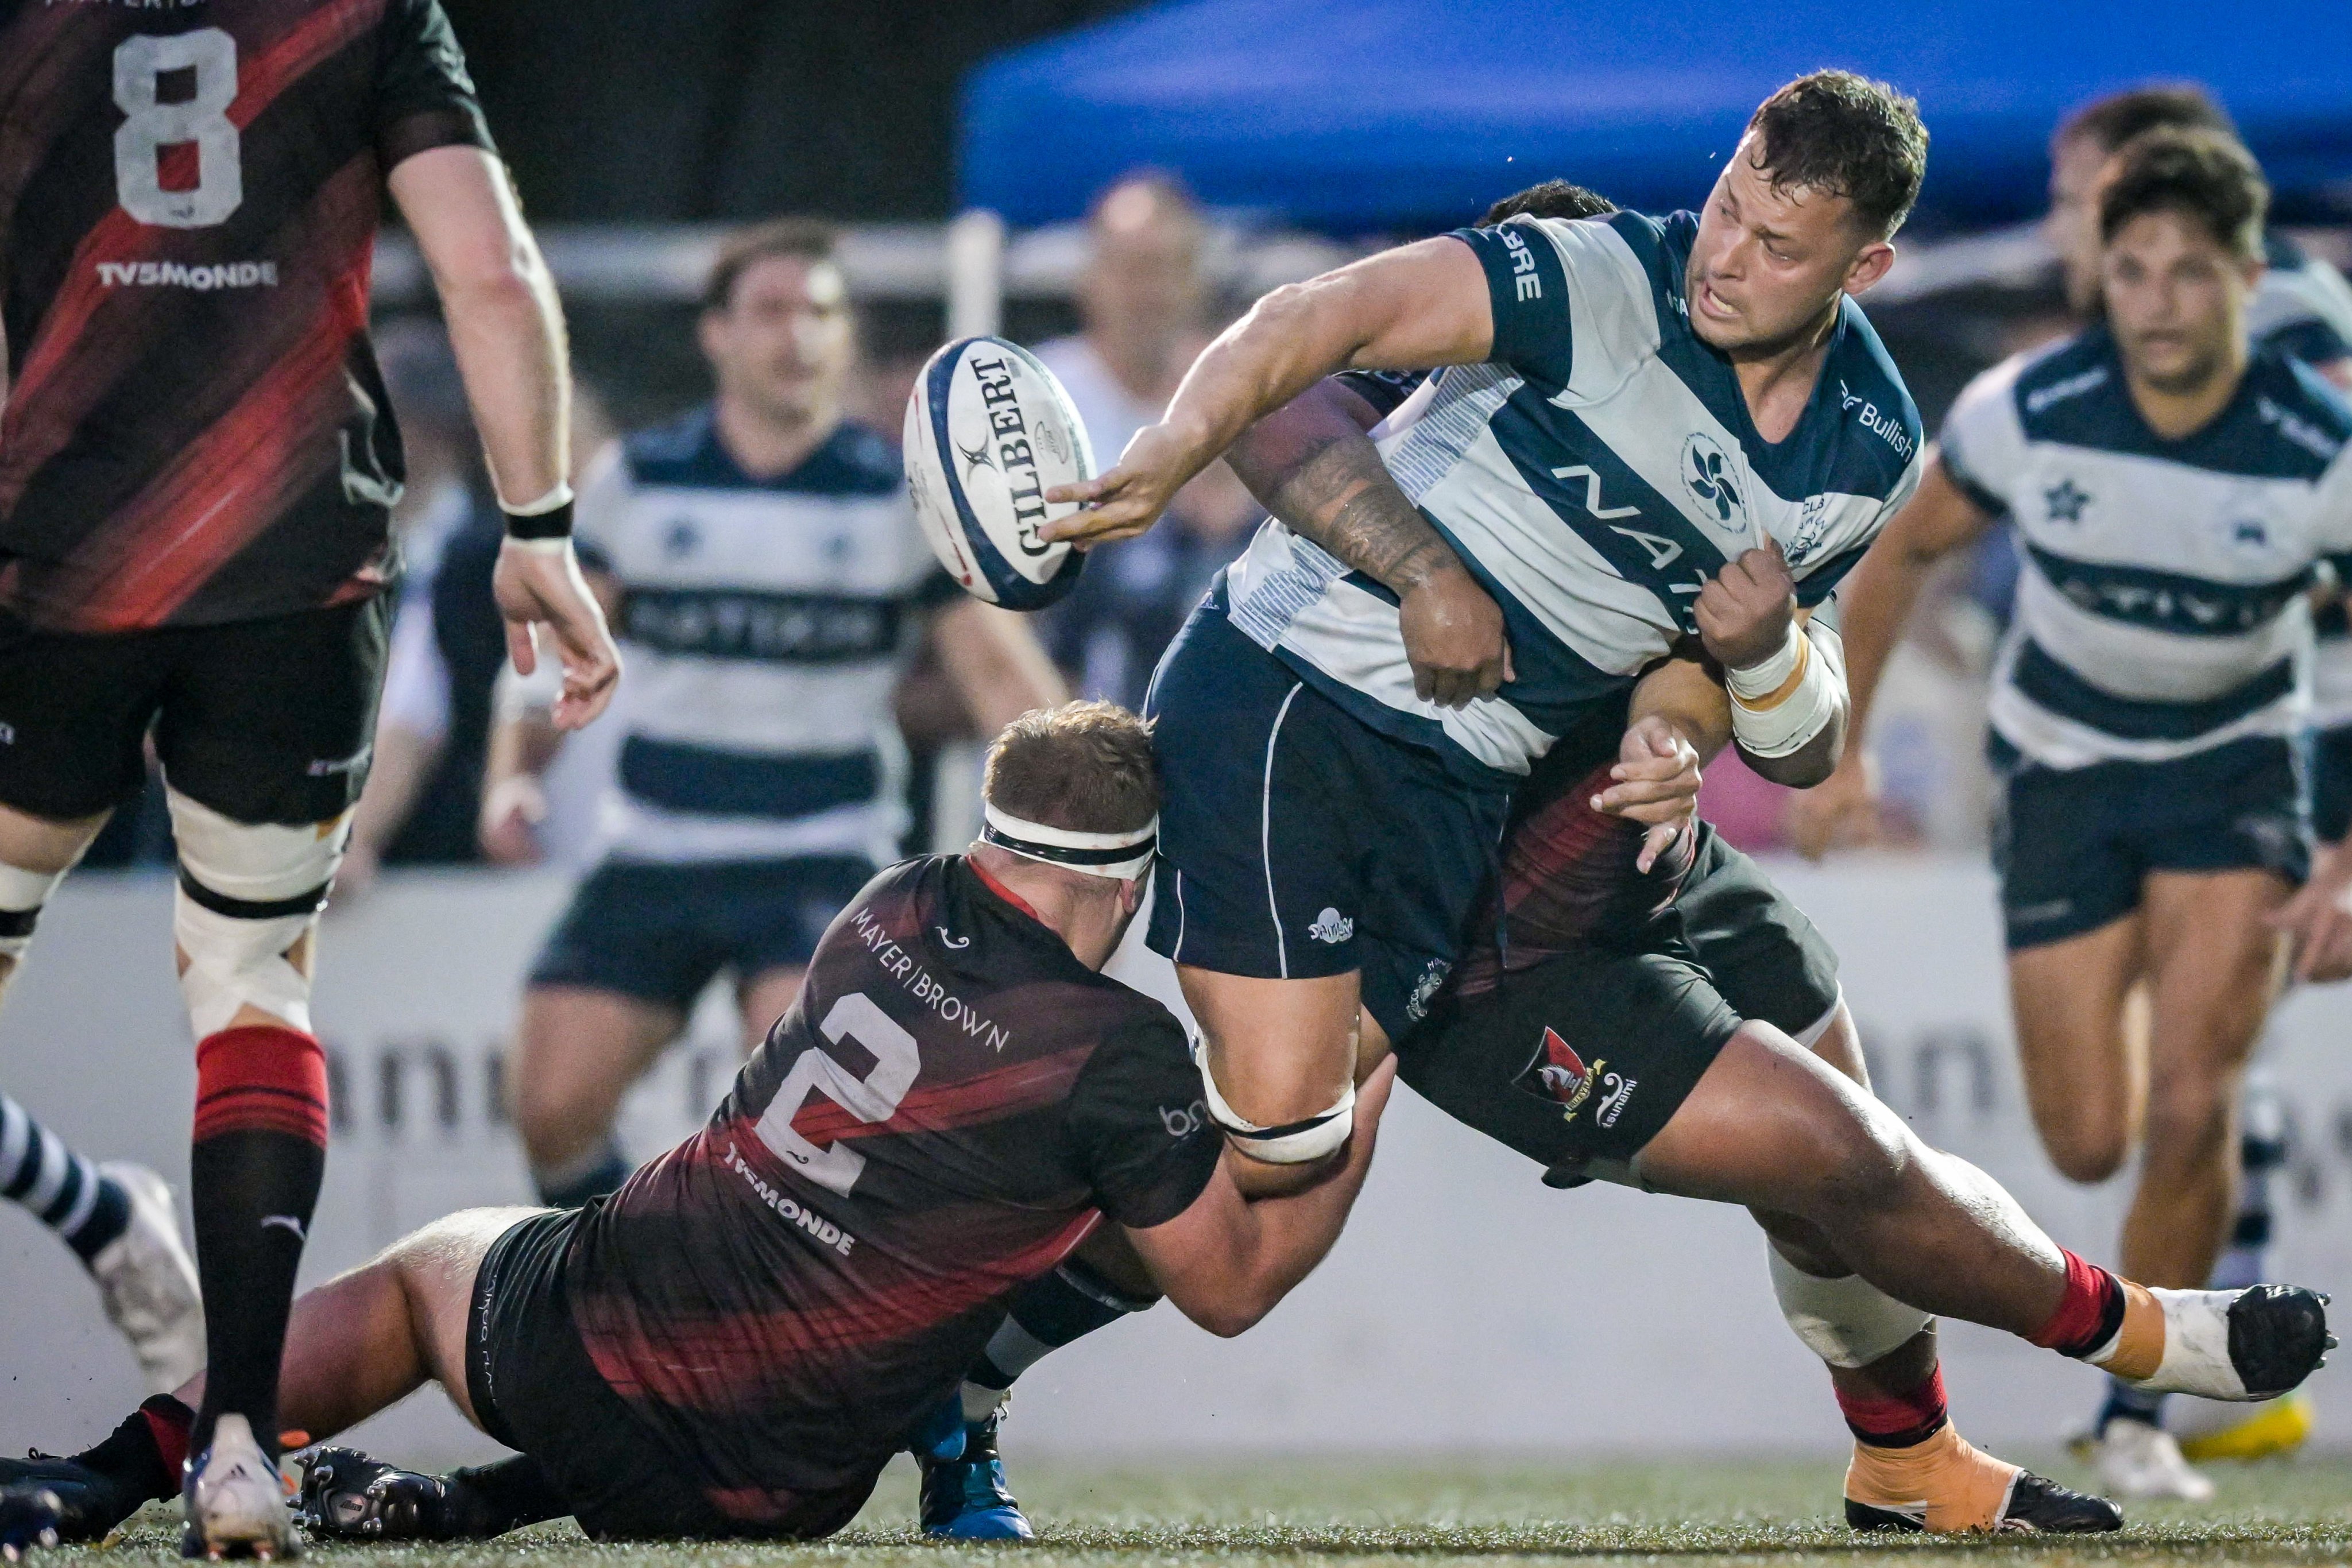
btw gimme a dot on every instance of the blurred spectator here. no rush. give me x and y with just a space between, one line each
1142 302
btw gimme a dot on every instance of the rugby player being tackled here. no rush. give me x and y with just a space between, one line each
737 1341
1716 391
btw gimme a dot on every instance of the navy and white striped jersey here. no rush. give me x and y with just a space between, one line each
2304 306
766 623
1593 475
2162 602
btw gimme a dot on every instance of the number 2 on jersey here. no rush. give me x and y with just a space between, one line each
201 117
870 1099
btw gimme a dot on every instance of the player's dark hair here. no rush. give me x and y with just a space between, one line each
811 239
2204 174
1087 766
1552 199
1848 136
2112 120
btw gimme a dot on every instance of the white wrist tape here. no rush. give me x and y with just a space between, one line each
1846 1322
1778 705
559 496
518 695
1296 1144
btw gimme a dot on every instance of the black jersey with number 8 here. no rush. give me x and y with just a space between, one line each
195 430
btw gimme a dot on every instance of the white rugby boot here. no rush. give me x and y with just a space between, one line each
149 1285
2250 1344
236 1499
2137 1460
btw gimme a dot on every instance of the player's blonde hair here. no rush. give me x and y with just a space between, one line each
1089 766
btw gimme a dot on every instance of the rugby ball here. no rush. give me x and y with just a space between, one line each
989 432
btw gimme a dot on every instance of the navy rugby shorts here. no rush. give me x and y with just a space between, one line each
660 933
2327 755
2072 844
1298 841
1581 1061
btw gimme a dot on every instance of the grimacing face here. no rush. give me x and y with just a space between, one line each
1767 263
783 344
2176 300
2072 224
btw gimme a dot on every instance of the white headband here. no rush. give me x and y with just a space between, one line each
1119 855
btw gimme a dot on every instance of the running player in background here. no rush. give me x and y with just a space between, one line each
738 1341
197 463
2302 307
766 573
2173 487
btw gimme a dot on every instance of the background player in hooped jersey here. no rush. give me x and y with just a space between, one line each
2302 307
2173 488
738 1341
197 461
1636 407
765 570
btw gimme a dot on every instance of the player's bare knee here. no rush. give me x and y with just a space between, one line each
2188 1123
2086 1149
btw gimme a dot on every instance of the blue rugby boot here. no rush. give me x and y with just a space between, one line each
964 1493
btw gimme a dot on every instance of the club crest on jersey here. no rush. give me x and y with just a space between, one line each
1557 1074
1708 476
1425 989
1813 526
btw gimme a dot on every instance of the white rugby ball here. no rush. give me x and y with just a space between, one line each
989 432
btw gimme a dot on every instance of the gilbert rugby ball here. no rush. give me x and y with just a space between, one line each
989 432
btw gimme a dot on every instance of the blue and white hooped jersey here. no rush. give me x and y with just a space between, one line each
2162 591
2304 306
1593 476
765 625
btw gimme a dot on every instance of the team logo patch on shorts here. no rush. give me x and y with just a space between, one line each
1332 926
1557 1073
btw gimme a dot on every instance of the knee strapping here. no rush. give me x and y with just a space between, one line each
22 893
1847 1322
248 892
1292 1144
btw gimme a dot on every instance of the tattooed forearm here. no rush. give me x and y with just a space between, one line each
1311 465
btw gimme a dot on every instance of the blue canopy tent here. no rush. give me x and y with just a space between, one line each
1357 115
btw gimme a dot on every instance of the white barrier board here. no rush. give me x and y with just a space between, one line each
1468 1306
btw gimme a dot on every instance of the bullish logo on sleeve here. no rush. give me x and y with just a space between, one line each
177 275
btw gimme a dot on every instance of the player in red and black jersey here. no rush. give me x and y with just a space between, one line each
739 1339
197 462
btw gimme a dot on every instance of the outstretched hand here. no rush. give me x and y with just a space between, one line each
538 586
1127 497
2317 921
1657 781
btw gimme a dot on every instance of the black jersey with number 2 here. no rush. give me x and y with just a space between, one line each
950 1107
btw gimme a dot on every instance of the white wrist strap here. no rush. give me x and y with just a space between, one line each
1776 717
559 496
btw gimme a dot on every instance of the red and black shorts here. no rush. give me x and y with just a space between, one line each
535 1389
264 721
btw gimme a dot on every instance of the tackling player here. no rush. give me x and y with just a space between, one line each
2173 487
738 1341
196 466
765 570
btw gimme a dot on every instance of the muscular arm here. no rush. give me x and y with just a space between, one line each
507 329
505 323
1227 1261
995 663
1310 463
1408 308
